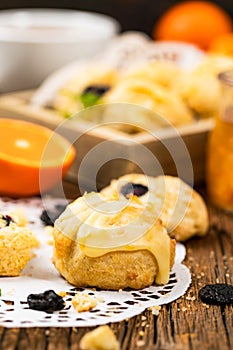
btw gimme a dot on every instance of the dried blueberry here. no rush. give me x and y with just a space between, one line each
216 294
49 216
92 94
133 189
98 90
5 220
48 301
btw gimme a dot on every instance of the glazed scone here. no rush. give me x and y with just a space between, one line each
111 244
16 244
181 209
101 338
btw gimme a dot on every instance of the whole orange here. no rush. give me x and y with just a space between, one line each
196 22
222 44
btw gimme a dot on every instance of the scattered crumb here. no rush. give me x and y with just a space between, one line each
155 309
120 290
141 333
49 230
140 343
101 338
83 302
19 216
143 318
190 298
47 332
100 299
11 292
62 293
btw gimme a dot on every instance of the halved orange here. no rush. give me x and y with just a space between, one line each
33 158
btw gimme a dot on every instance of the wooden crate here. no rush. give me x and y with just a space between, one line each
125 149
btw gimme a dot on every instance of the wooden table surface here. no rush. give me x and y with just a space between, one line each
186 323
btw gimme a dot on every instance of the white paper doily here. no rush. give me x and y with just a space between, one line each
40 275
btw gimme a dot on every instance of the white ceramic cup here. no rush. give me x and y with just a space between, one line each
36 42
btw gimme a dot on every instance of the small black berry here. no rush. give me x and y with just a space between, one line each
48 301
6 220
217 294
98 90
49 216
133 189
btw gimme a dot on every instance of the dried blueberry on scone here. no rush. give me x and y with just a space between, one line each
181 209
112 244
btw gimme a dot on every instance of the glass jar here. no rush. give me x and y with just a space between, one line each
219 171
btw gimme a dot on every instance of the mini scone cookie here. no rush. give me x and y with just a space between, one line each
111 244
90 79
16 244
150 95
181 209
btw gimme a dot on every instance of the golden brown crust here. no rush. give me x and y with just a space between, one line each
182 209
115 270
16 244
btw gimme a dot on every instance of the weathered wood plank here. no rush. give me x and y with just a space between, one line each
189 323
10 339
186 324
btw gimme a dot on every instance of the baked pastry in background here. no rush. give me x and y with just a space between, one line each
111 244
155 71
162 107
200 88
181 209
16 244
85 89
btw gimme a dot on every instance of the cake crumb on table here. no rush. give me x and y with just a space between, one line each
101 338
155 309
